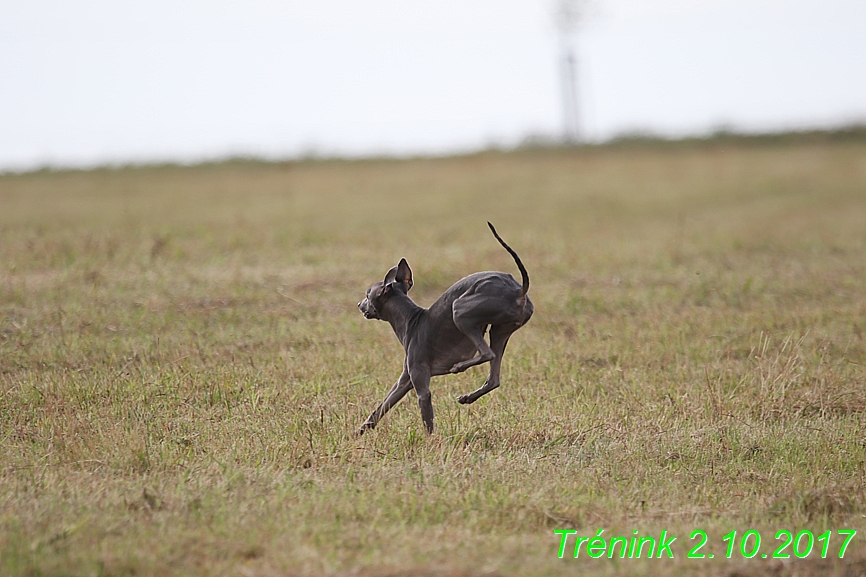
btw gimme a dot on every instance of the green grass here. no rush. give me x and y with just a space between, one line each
183 366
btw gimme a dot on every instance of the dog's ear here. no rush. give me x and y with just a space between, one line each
404 274
390 276
401 274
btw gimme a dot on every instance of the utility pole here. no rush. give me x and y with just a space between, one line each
567 17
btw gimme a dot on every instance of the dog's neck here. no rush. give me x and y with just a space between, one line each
400 311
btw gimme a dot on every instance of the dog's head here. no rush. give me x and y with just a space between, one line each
398 279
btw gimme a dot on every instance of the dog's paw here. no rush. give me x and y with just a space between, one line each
458 368
464 399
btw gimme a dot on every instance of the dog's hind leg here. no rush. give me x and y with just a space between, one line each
467 318
397 392
499 335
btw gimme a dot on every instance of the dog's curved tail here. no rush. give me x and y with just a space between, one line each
523 272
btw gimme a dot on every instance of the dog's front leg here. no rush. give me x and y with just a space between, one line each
397 392
421 382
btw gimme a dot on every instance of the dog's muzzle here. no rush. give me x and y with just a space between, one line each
367 308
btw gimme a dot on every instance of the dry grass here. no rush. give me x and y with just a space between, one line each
182 365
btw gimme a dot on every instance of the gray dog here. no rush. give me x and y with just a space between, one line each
449 336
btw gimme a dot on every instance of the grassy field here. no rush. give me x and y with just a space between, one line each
183 366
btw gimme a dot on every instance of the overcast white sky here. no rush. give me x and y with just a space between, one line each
97 81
